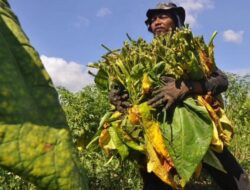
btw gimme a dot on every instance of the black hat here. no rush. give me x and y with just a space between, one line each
167 8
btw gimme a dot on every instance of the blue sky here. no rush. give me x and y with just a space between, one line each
68 33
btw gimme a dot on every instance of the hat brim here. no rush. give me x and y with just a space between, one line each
176 10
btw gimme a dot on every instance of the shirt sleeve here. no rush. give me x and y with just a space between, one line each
216 83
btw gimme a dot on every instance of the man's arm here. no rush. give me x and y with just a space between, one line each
174 91
216 84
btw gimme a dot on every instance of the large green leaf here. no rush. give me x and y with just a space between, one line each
35 142
188 137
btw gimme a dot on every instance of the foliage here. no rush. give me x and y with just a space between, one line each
35 141
237 103
104 173
83 111
9 181
110 173
115 174
29 105
237 99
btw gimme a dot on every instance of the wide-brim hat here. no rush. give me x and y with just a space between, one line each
166 8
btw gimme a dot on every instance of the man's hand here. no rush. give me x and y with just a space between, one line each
119 98
172 92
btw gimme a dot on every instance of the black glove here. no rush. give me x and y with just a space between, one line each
168 95
119 98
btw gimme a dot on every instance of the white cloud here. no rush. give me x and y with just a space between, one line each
233 36
82 21
196 5
193 8
71 75
103 12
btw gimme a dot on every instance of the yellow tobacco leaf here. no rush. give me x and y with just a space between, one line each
222 127
153 132
155 165
227 126
217 143
205 61
104 138
210 110
146 84
134 115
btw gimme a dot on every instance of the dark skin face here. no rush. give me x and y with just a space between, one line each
161 24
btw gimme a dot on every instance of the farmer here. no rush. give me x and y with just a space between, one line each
164 18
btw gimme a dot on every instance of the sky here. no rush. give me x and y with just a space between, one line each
68 33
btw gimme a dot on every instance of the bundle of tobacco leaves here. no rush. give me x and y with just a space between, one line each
174 143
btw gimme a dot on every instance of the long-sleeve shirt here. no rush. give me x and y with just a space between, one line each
216 83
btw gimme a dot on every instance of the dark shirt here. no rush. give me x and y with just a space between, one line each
216 83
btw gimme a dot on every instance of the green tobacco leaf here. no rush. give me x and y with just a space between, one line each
101 80
35 141
119 144
188 137
159 68
137 71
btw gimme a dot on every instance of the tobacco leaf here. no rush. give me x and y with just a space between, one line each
188 137
35 140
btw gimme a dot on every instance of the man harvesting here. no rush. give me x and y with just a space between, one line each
165 18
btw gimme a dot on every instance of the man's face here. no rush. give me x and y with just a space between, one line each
161 24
